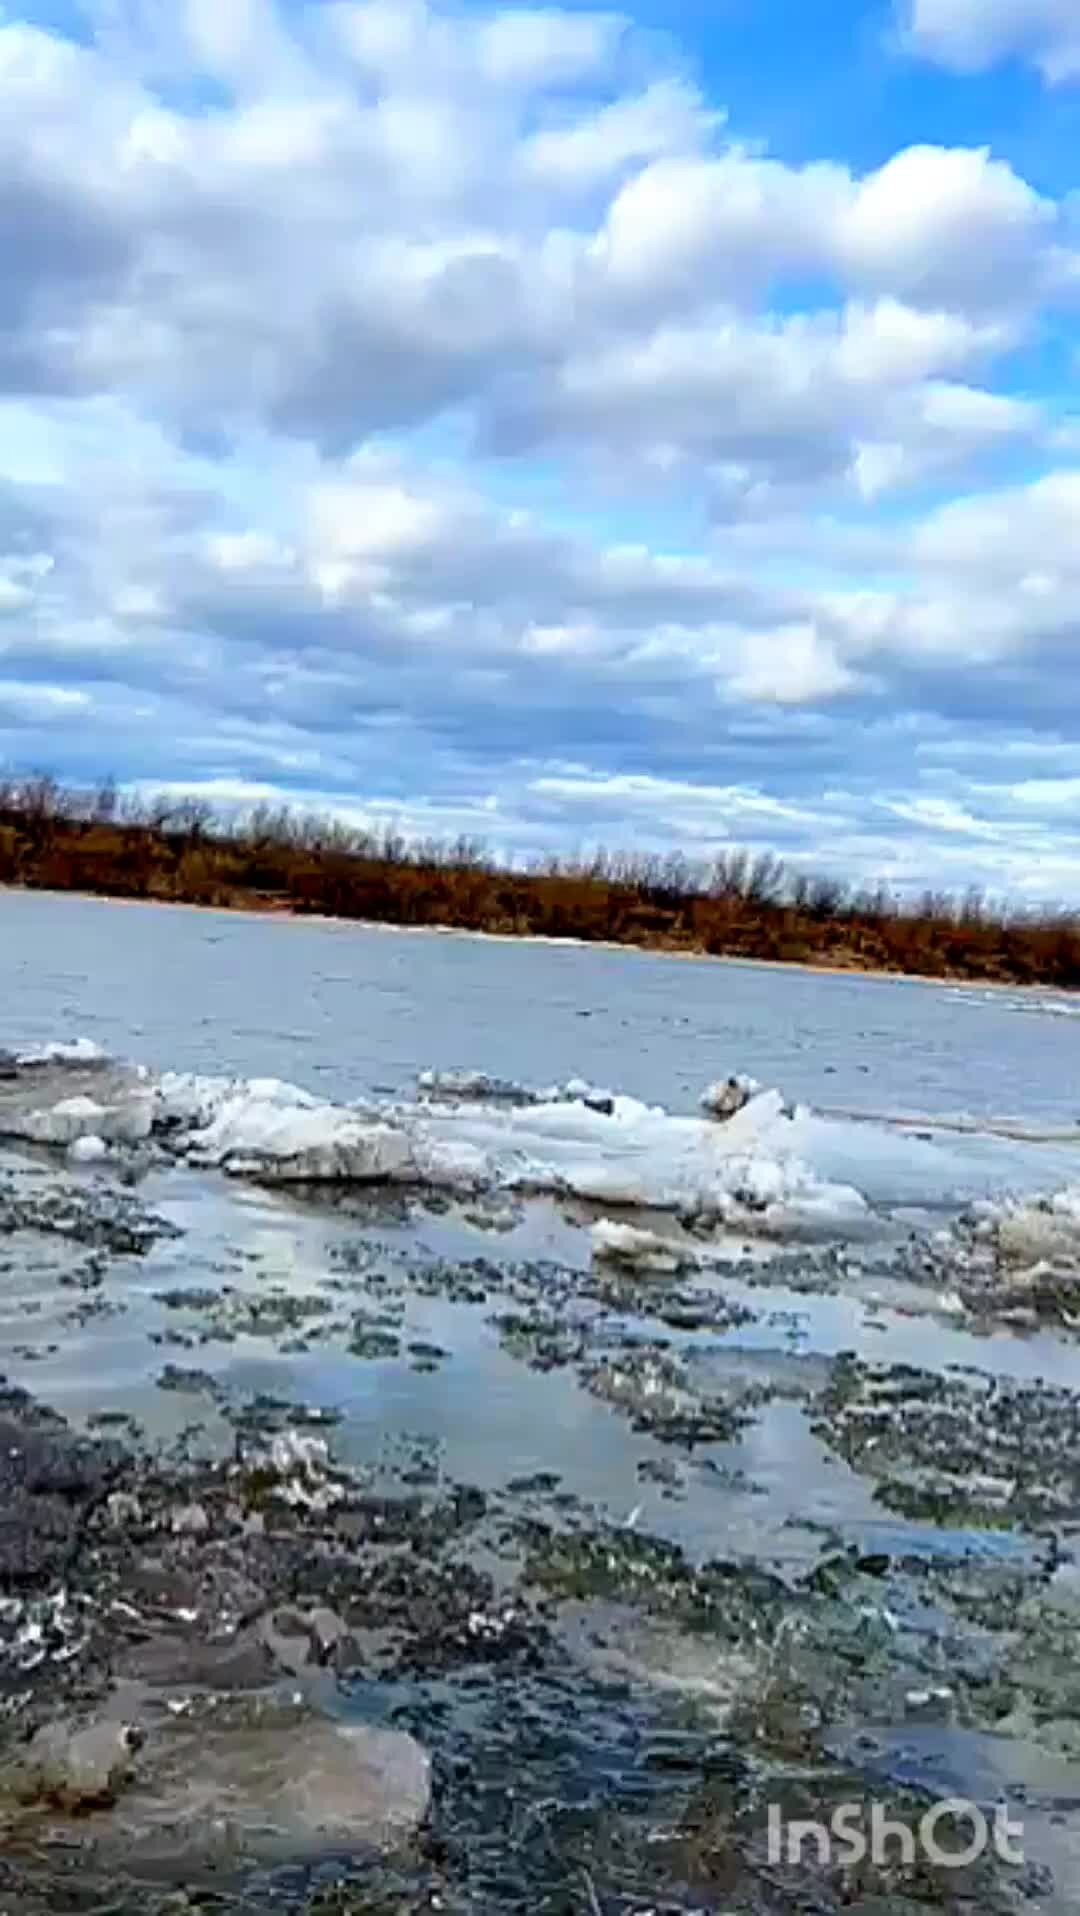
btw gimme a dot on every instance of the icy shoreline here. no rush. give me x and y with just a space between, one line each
399 1454
464 1133
750 1166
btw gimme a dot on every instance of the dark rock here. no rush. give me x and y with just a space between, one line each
179 1661
49 1481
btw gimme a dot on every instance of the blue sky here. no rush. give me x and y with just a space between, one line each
646 426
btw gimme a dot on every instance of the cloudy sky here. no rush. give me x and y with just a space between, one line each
554 424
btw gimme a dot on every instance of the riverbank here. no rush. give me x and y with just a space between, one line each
323 1512
736 906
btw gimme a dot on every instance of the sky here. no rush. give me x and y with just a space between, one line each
651 428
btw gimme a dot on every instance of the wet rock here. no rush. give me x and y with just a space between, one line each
370 1339
265 1415
73 1768
96 1216
49 1481
973 1450
255 1780
296 1471
934 1705
188 1382
177 1661
40 1634
287 1642
472 1087
301 1639
194 1298
325 1629
657 1394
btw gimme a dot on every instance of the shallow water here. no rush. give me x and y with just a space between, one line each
733 1411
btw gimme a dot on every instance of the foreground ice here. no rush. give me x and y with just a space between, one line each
747 1161
465 1133
572 1141
1025 1252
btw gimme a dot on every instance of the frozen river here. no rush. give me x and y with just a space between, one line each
820 1356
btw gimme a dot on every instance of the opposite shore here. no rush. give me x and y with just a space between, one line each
736 905
268 914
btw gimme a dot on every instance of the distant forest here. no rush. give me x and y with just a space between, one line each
736 904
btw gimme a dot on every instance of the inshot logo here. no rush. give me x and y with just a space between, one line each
951 1835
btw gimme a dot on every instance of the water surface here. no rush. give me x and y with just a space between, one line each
735 1413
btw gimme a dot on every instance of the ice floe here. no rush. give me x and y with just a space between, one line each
1027 1232
745 1161
1032 1003
125 1119
88 1150
468 1133
1015 1259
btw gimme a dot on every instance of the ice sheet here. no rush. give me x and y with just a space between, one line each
746 1160
573 1140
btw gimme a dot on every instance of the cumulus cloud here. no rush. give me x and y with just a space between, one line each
972 35
860 398
449 413
400 212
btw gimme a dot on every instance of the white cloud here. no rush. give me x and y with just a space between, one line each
792 666
544 47
14 595
1027 535
595 147
40 702
893 343
937 226
683 229
972 35
852 399
946 227
441 408
450 223
247 553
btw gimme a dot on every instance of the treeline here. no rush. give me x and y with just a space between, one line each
736 904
